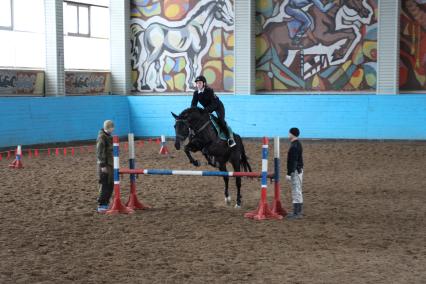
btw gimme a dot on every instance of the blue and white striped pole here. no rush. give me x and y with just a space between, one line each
17 163
117 206
276 203
133 202
163 149
263 212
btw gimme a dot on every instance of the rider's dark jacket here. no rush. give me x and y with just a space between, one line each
207 99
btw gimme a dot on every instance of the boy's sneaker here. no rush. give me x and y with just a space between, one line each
102 208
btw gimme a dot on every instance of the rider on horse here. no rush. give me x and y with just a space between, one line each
294 8
207 98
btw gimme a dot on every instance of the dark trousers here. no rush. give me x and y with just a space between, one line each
106 189
220 111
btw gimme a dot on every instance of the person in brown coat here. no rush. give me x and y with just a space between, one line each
105 163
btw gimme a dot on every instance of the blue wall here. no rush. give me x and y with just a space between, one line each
58 119
322 116
43 120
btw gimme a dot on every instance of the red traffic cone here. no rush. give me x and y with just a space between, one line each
17 163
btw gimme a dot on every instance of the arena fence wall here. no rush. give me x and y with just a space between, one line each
34 120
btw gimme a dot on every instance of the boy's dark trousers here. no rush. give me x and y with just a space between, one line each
106 188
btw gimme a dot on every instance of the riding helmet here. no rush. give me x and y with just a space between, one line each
201 78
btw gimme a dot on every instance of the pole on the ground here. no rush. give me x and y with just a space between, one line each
263 211
117 206
133 201
276 203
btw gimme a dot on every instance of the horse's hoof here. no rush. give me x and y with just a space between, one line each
145 88
196 163
228 200
237 206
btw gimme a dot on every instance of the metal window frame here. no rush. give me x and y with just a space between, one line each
89 6
9 28
78 5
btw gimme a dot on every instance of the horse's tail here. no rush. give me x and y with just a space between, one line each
244 159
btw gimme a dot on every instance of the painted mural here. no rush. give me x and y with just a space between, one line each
87 83
412 72
316 45
19 82
173 41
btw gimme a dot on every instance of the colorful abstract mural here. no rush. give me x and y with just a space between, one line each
173 41
412 71
316 45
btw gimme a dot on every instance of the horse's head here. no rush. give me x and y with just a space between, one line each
187 120
224 12
181 129
136 45
358 10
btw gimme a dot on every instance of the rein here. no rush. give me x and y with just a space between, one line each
192 132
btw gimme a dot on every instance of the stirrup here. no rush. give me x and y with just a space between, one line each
231 142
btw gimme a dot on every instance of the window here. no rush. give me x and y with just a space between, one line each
76 19
22 29
6 14
87 20
86 34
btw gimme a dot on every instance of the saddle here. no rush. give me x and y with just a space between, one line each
220 133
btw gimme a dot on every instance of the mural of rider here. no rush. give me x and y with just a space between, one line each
295 9
208 99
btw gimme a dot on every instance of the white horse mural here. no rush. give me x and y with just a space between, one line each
191 38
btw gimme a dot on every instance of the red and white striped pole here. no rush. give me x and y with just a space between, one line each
117 206
133 201
263 211
17 163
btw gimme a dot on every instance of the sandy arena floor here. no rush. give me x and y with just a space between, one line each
364 222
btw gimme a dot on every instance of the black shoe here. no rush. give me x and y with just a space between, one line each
296 212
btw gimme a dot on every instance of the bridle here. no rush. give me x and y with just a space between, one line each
192 132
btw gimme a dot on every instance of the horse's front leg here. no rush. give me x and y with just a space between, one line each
191 159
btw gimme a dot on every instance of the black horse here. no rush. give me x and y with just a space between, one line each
195 123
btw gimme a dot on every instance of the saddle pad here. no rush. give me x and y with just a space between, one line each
220 133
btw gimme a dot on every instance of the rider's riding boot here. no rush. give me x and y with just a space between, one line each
231 142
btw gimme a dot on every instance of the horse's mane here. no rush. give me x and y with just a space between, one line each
191 110
200 8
